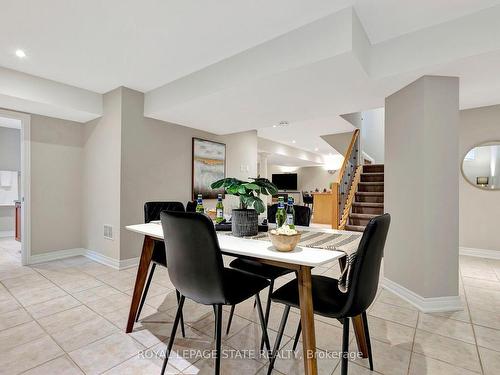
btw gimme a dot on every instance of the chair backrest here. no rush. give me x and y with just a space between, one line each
191 206
152 209
364 273
194 258
302 214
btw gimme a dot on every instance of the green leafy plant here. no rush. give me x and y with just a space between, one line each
248 192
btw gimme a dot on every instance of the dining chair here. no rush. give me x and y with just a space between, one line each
197 271
329 301
152 212
271 273
191 206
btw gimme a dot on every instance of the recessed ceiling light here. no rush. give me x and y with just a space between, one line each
293 141
275 126
316 149
20 53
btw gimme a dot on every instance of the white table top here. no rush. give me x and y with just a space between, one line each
231 245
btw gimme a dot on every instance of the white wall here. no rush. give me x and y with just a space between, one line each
478 208
421 187
10 160
101 177
56 184
372 134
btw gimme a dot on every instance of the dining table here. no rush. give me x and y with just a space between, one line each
323 247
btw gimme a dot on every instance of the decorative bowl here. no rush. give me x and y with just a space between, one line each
284 242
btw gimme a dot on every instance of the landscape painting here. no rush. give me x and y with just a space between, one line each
209 165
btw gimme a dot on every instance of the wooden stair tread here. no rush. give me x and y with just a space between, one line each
362 216
368 204
374 183
372 173
355 228
377 193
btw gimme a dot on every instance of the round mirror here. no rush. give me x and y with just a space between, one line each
481 166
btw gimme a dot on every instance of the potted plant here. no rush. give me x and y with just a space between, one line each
245 218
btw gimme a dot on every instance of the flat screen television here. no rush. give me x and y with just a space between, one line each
285 181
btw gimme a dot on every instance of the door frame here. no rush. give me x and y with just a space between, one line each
25 181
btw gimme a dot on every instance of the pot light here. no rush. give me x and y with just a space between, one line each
293 141
20 53
316 149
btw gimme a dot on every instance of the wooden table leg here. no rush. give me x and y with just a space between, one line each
359 332
307 321
142 273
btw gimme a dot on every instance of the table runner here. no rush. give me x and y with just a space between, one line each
347 242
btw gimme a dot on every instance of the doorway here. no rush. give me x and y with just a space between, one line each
14 187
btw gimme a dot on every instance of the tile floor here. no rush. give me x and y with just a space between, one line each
68 317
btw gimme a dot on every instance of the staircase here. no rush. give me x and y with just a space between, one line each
369 199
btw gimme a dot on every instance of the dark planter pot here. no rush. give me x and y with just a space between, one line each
245 222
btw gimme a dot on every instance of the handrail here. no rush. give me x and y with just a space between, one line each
354 138
340 189
350 199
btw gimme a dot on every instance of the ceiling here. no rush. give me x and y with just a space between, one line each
289 161
232 65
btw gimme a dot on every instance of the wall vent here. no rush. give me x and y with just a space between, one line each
108 232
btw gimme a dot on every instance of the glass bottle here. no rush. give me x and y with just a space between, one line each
280 213
219 208
199 204
290 213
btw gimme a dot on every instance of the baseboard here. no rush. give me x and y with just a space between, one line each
111 262
91 254
426 305
480 253
55 255
7 233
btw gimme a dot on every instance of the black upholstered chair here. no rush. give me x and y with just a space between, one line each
271 273
191 206
197 271
302 214
308 199
152 212
330 302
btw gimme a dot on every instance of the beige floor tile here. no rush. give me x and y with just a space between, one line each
84 333
33 297
26 356
354 369
207 324
8 304
421 365
106 353
65 319
155 289
462 315
485 318
387 359
30 279
14 318
394 313
487 337
480 283
455 352
392 299
19 335
490 360
81 284
140 365
110 303
120 317
52 306
248 339
446 327
228 366
163 302
391 333
93 294
59 366
290 362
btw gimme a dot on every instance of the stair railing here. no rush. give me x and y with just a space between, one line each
341 188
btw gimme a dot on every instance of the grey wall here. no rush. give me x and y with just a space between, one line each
478 208
421 186
10 160
372 134
56 189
